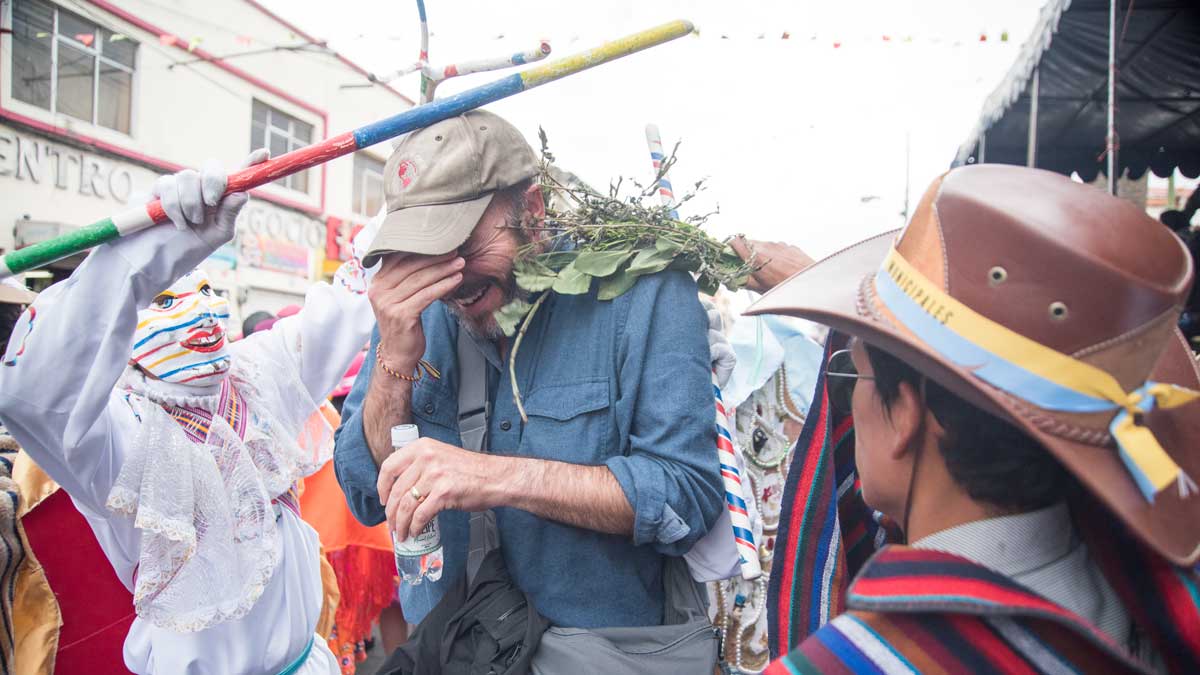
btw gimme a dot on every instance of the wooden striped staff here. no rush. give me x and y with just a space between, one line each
735 491
140 218
665 192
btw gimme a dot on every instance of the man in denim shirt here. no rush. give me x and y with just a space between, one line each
615 468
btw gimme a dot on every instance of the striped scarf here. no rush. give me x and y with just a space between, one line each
826 531
196 420
1163 599
910 610
914 611
231 406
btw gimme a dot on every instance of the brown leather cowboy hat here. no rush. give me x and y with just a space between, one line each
1008 282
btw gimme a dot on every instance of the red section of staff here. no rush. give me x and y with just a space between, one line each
292 162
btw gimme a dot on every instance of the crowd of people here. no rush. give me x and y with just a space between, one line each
994 472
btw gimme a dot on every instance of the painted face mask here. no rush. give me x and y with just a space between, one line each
180 337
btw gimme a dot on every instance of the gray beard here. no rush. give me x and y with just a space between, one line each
488 329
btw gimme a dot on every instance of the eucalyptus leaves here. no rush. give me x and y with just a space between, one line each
609 240
630 251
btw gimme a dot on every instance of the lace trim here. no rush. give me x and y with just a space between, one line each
229 608
210 541
122 500
162 525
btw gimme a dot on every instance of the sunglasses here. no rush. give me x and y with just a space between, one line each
841 377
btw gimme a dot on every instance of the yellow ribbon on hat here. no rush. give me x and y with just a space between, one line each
1032 371
1138 443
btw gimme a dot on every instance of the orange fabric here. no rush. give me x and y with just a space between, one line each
370 586
361 558
331 600
36 616
33 484
330 414
323 505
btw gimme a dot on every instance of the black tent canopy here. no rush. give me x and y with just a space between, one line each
1061 81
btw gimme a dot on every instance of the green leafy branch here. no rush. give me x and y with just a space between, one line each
610 240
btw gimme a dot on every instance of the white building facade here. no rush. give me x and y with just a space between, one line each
98 98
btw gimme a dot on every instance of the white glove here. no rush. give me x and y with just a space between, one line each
362 241
193 200
723 358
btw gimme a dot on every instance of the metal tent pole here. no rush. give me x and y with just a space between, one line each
1031 150
1111 142
907 170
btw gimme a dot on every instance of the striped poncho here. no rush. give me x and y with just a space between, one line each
925 611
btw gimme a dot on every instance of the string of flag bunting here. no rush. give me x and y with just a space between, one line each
832 40
835 40
165 39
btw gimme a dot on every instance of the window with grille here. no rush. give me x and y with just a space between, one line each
368 185
67 64
279 132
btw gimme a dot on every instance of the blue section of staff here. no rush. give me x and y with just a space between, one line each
430 113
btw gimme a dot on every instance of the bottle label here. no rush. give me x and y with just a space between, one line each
428 540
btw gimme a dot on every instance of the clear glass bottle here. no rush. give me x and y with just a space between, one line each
420 556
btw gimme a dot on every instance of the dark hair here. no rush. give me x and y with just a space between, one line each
9 314
993 461
253 320
515 195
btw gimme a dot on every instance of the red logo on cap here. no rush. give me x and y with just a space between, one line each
407 173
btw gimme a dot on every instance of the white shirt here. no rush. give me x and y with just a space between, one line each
59 401
1041 550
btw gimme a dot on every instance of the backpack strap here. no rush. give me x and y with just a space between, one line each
474 410
473 405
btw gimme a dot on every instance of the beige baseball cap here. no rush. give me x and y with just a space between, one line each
440 180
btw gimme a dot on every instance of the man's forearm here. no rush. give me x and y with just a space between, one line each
583 496
388 403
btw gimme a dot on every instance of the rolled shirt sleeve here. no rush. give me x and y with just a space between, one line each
670 473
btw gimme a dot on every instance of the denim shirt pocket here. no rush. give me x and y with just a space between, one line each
434 403
569 421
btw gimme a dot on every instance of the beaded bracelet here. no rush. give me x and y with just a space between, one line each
423 367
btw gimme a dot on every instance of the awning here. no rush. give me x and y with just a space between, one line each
1066 62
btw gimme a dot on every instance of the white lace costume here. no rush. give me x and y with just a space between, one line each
223 580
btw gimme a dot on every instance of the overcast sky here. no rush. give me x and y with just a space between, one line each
798 140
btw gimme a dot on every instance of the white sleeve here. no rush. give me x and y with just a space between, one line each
324 337
57 381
